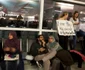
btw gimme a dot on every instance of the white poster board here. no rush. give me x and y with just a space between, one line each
82 26
65 28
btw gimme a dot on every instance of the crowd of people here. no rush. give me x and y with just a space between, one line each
54 47
51 54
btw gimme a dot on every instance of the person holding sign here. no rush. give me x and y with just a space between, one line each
63 40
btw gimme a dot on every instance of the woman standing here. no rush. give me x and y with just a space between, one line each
63 40
74 19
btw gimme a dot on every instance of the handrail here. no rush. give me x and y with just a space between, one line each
18 29
26 29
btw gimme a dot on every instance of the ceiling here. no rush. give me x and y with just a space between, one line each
20 6
30 7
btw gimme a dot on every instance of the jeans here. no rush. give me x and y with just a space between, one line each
2 65
79 33
21 62
74 41
11 65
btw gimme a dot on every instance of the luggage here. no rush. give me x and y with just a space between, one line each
57 65
65 57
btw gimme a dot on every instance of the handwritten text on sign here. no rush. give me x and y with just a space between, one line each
65 28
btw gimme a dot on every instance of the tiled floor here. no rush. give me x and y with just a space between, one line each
74 67
30 67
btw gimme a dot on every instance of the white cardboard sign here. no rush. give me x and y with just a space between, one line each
65 28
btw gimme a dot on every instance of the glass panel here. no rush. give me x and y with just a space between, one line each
53 10
48 14
19 13
26 38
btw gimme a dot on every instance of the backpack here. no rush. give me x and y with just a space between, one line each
65 57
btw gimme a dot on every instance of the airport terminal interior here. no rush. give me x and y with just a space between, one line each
29 18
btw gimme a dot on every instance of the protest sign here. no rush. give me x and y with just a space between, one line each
65 28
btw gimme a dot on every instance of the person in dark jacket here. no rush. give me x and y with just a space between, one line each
39 51
12 47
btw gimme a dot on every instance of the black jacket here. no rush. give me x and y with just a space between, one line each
35 47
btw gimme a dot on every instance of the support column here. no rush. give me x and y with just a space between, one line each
41 16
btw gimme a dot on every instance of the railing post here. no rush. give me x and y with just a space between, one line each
41 16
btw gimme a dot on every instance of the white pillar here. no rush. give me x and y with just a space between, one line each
41 16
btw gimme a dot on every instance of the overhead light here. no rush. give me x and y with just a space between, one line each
82 12
75 1
68 0
29 7
31 18
65 6
29 1
11 18
58 11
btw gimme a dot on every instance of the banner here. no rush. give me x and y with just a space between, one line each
65 28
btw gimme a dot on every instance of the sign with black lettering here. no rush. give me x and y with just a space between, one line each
65 28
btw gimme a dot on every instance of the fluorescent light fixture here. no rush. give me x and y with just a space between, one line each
29 1
31 18
58 11
11 18
74 1
29 7
82 12
65 6
68 0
